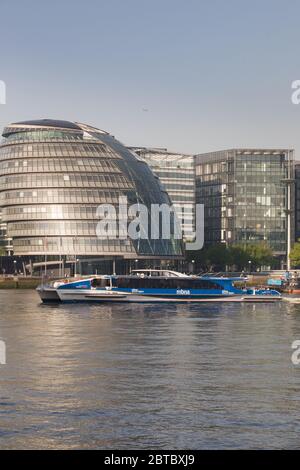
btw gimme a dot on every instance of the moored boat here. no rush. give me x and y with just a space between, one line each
154 286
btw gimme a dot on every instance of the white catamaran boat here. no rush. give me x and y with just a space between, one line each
152 285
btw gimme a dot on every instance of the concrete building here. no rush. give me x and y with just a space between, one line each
248 197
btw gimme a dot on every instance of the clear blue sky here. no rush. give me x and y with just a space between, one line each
189 75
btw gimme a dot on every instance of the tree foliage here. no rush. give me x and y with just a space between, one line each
219 257
295 255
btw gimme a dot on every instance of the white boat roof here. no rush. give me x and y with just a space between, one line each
158 272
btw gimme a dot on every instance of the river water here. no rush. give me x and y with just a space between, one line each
148 377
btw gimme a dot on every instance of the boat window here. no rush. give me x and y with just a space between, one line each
98 282
164 283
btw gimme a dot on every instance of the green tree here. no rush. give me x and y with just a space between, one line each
211 258
260 254
239 257
295 255
200 258
218 257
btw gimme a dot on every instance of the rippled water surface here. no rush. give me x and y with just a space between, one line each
142 376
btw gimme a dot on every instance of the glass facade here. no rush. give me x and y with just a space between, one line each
297 201
245 196
53 177
176 172
2 235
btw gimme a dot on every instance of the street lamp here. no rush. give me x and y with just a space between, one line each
249 262
75 270
193 266
15 266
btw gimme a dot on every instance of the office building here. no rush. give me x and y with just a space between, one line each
297 201
248 197
177 174
53 176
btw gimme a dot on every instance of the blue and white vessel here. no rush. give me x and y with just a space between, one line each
153 286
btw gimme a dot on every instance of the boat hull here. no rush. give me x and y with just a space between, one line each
121 297
48 294
261 298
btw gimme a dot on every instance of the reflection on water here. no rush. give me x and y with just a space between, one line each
142 376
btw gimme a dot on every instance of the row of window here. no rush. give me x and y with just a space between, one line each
259 178
271 168
59 165
249 190
215 179
161 160
177 186
256 235
177 198
260 212
43 164
60 209
255 194
208 168
49 212
277 240
257 162
251 209
268 225
258 158
55 149
61 180
175 175
42 135
60 196
268 217
251 201
251 180
51 228
66 246
164 283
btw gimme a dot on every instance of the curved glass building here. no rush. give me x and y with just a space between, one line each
54 175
